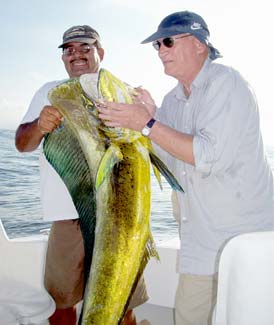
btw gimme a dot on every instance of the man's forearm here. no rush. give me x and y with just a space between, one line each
28 136
179 145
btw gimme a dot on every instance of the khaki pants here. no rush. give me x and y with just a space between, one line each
64 270
195 299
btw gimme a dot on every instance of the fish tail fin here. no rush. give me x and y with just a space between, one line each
157 162
111 157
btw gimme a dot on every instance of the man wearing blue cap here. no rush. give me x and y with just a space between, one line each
207 131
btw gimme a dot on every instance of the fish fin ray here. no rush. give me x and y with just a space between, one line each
161 166
63 152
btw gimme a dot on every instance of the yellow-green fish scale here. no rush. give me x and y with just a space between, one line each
123 214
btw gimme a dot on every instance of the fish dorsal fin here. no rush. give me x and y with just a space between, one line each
111 157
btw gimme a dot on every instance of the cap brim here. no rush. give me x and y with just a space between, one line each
162 33
79 40
152 38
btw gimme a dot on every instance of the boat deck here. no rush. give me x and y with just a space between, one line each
148 314
157 311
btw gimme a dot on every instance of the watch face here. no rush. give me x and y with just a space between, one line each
145 131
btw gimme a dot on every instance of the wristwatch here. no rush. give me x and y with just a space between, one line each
147 129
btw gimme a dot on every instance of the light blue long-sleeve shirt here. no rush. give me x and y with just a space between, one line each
230 189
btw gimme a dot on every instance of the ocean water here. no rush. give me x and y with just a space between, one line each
20 207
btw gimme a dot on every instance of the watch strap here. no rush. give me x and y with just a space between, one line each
147 128
150 123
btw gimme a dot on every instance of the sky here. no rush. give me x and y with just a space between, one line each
31 31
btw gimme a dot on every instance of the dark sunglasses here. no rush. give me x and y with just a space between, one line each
70 50
168 42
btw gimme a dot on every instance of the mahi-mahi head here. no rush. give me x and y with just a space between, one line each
107 173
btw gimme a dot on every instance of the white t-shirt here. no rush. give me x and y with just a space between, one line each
55 198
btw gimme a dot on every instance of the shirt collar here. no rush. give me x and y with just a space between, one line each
197 82
201 76
179 92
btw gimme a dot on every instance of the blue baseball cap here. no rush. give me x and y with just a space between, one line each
185 22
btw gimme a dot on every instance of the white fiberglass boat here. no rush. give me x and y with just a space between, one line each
245 282
24 300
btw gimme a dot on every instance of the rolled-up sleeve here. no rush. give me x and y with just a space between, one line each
223 122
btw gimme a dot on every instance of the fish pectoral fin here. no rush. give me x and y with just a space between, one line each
161 166
111 157
157 175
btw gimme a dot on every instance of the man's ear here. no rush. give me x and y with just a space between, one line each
101 53
201 47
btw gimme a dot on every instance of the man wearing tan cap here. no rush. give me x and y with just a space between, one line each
64 272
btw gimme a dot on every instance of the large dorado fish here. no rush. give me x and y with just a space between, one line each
107 172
